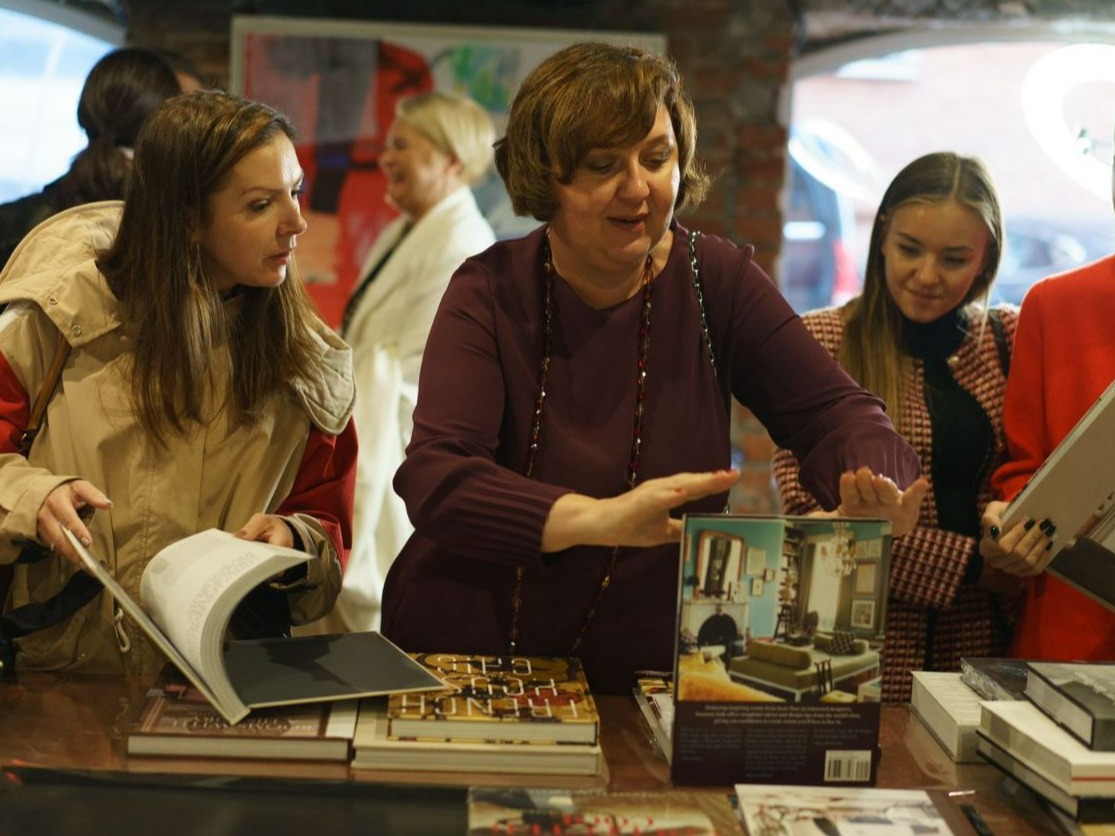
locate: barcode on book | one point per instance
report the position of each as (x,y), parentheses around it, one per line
(848,765)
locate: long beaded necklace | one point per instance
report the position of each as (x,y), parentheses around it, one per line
(536,432)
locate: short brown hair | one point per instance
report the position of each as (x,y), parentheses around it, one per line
(591,95)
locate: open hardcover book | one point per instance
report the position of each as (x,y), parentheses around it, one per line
(189,591)
(1075,488)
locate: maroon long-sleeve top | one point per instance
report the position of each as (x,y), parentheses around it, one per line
(477,517)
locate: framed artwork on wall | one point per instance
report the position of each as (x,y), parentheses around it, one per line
(863,613)
(340,80)
(866,574)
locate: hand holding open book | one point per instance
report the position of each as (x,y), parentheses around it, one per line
(189,591)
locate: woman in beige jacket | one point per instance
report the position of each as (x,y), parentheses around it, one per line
(200,389)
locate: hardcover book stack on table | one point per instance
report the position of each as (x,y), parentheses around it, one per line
(1060,742)
(500,714)
(949,703)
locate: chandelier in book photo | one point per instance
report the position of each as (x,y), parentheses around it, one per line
(838,556)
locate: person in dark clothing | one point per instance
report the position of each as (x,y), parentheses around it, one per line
(575,394)
(119,93)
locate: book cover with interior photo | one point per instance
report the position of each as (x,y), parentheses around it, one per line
(541,699)
(518,810)
(768,809)
(780,636)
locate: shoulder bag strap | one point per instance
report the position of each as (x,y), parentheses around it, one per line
(38,410)
(1000,333)
(80,589)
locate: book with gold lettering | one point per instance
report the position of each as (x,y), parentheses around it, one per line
(464,761)
(498,698)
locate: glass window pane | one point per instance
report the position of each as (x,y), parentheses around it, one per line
(42,69)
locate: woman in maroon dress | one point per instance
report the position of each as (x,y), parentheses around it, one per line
(576,390)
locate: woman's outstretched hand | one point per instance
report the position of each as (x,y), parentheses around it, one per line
(866,494)
(639,517)
(1024,550)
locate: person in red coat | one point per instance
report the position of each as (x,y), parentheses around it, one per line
(1064,358)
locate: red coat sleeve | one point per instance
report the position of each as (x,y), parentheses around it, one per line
(15,408)
(325,485)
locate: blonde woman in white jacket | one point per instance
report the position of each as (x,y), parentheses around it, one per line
(437,147)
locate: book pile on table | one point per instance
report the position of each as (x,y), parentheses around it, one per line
(513,714)
(1048,725)
(1060,742)
(948,703)
(177,720)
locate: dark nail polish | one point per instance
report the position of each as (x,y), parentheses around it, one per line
(1049,546)
(1029,524)
(1047,526)
(994,532)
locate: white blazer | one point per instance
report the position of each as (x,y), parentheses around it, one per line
(388,333)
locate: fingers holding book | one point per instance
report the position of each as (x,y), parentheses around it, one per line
(70,505)
(1024,549)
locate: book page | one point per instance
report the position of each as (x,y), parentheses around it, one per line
(136,613)
(191,588)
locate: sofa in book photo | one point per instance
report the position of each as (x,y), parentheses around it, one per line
(832,665)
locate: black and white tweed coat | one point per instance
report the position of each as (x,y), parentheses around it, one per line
(933,617)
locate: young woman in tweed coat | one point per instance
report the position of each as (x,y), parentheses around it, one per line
(921,337)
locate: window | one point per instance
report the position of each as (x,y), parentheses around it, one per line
(43,63)
(1037,112)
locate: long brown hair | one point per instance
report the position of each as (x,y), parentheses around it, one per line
(184,154)
(873,349)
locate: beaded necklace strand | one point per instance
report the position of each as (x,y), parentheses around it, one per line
(536,432)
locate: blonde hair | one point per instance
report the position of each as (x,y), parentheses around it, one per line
(456,125)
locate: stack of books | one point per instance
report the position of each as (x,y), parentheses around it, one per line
(948,704)
(1060,742)
(177,729)
(513,714)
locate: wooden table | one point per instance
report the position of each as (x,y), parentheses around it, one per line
(65,771)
